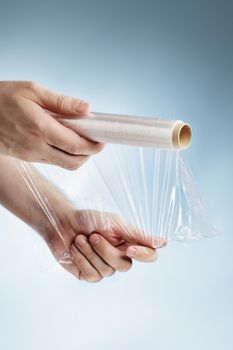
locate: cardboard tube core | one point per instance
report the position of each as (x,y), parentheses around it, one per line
(185,136)
(182,136)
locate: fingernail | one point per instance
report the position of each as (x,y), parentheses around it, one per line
(82,105)
(81,240)
(94,239)
(131,252)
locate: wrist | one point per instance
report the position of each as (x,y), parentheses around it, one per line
(53,217)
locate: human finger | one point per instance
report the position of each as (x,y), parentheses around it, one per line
(87,271)
(135,235)
(140,253)
(63,138)
(64,160)
(60,103)
(113,256)
(86,249)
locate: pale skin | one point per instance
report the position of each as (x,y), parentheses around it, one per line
(29,129)
(99,243)
(89,244)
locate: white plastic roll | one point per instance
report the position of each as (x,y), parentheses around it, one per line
(131,130)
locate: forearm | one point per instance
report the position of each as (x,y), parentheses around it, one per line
(16,196)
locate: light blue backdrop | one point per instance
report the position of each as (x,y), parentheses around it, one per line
(156,58)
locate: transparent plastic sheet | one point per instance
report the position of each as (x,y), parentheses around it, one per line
(144,192)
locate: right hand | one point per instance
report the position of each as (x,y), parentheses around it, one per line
(93,245)
(29,130)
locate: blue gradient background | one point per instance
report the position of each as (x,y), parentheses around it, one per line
(172,59)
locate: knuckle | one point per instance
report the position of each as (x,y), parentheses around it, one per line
(88,252)
(81,147)
(78,259)
(61,102)
(42,127)
(31,85)
(91,256)
(73,148)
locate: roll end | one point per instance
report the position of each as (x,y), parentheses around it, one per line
(182,136)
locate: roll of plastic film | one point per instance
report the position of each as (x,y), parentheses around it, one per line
(131,130)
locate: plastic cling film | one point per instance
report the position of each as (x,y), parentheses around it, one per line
(145,194)
(134,131)
(151,189)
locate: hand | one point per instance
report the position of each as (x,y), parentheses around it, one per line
(95,244)
(89,244)
(30,131)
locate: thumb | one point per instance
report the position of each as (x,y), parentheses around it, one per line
(63,105)
(144,254)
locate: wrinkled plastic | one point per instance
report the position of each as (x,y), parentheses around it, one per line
(142,192)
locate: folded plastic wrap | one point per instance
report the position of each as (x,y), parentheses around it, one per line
(147,192)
